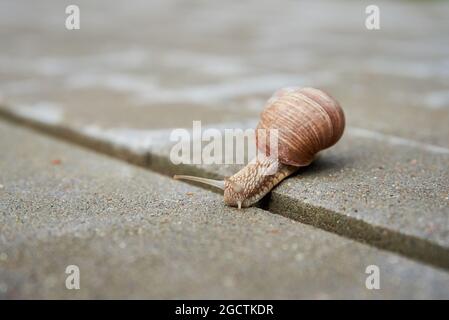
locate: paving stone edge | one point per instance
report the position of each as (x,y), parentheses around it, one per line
(337,222)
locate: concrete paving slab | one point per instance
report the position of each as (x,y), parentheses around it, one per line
(392,196)
(122,92)
(385,190)
(135,234)
(220,62)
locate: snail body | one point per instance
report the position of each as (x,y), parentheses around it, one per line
(306,120)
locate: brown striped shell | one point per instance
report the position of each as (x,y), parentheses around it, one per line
(309,120)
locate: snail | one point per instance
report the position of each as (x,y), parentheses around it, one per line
(307,120)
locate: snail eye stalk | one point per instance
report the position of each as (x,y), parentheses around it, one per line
(215,183)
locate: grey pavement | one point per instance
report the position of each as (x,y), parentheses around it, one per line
(137,234)
(132,74)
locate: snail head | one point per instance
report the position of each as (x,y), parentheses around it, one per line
(234,192)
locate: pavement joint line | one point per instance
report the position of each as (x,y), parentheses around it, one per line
(410,246)
(407,245)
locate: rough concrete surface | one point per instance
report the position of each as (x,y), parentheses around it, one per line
(163,64)
(122,92)
(387,192)
(137,234)
(132,74)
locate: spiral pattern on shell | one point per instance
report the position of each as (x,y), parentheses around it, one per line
(308,120)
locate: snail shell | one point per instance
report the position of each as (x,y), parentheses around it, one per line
(307,121)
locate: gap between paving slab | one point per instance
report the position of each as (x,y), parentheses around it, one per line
(418,248)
